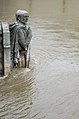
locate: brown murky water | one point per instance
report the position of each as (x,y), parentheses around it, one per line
(50,90)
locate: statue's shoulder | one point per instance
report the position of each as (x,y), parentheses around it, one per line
(13,26)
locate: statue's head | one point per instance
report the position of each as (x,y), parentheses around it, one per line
(22,16)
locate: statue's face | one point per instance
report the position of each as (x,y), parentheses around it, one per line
(23,18)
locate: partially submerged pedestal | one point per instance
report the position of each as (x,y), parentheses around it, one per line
(4,49)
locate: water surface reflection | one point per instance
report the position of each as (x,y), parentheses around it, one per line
(50,90)
(16,94)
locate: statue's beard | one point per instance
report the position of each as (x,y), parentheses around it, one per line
(24,22)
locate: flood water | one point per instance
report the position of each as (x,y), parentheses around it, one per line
(50,90)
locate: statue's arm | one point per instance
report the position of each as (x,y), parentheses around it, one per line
(29,35)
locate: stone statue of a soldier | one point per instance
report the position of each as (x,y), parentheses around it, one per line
(21,35)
